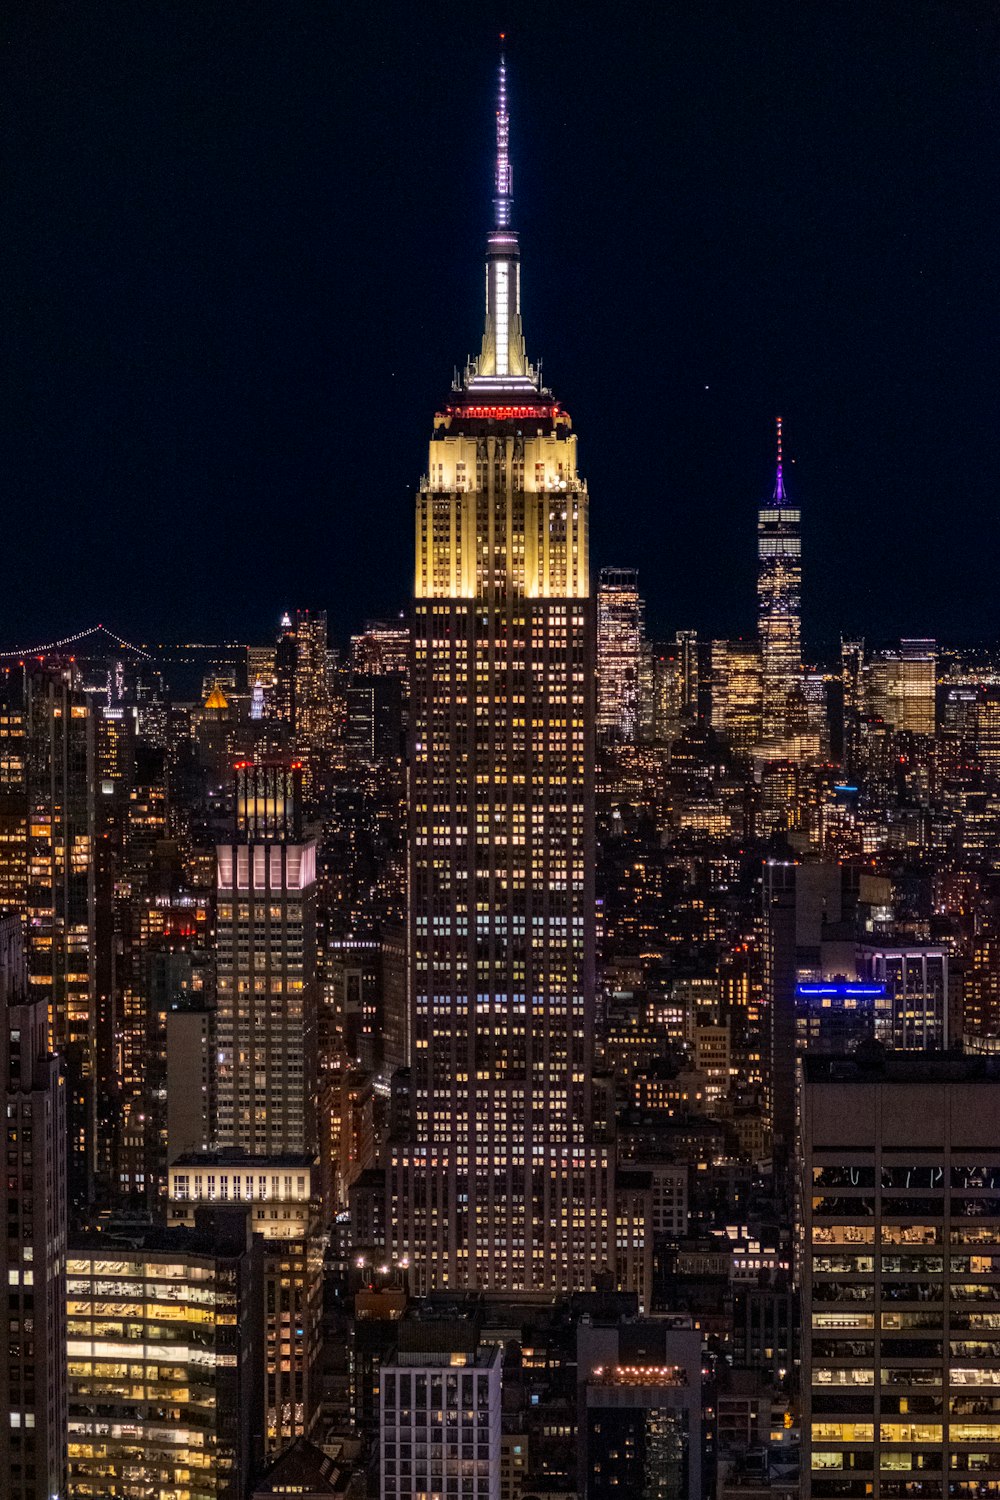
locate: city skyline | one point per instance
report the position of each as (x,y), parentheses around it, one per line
(537,1045)
(206,323)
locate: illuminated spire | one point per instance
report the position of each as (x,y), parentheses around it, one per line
(503,362)
(779,482)
(504,179)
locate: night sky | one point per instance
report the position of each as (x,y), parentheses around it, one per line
(242,253)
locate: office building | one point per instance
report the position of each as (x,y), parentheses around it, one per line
(499,1183)
(281,1192)
(798,900)
(314,706)
(912,1013)
(266,965)
(170,968)
(833,1016)
(13,792)
(33,1264)
(61,894)
(374,728)
(639,1409)
(736,694)
(620,646)
(779,591)
(902,686)
(900,1236)
(382,650)
(165,1340)
(439,1426)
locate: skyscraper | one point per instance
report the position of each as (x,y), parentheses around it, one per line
(902,686)
(620,635)
(736,694)
(33,1254)
(61,892)
(13,792)
(498,1183)
(266,936)
(779,589)
(166,1345)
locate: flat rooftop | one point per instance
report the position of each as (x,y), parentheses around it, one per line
(874,1064)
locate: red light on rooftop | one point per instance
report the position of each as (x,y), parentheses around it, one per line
(500,413)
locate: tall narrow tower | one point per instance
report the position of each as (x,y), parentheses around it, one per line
(779,591)
(266,960)
(620,650)
(499,1183)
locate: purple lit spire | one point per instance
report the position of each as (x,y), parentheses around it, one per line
(504,179)
(778,498)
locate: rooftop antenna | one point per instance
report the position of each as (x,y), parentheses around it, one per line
(779,482)
(504,177)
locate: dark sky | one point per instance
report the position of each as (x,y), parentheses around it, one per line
(242,252)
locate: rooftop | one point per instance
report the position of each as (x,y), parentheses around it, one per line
(872,1063)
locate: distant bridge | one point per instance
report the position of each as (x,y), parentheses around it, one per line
(71,640)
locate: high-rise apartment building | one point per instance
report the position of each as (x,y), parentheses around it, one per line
(620,642)
(779,590)
(689,659)
(900,1260)
(498,1182)
(852,685)
(981,988)
(33,1248)
(266,970)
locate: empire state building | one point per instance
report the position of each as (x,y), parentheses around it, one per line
(500,1182)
